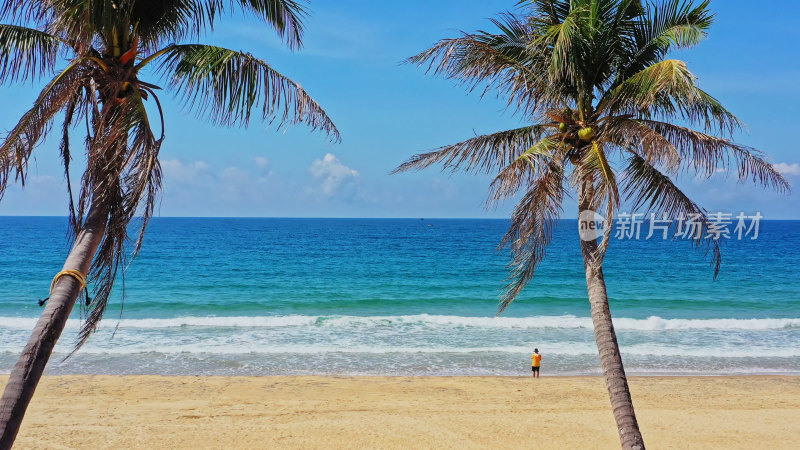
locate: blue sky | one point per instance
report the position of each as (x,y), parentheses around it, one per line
(387,112)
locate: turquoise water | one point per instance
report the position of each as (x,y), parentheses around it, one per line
(386,296)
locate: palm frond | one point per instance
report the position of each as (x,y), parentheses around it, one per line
(27,53)
(671,24)
(523,170)
(285,16)
(666,89)
(646,187)
(499,61)
(162,21)
(630,133)
(595,167)
(157,22)
(19,143)
(24,10)
(643,90)
(228,86)
(531,229)
(124,179)
(565,39)
(681,22)
(707,154)
(547,11)
(481,154)
(66,156)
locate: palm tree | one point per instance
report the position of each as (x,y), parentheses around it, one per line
(105,46)
(611,119)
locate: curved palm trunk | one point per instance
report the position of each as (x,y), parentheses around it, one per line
(610,358)
(614,372)
(28,370)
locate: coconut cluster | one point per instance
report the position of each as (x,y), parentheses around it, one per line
(585,134)
(565,121)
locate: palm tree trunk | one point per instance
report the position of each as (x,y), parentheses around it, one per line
(614,372)
(610,358)
(28,370)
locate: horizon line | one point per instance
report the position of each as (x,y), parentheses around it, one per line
(339,218)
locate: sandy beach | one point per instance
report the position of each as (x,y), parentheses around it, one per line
(394,412)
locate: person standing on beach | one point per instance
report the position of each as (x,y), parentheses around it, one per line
(536,361)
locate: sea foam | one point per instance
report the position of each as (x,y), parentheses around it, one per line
(653,323)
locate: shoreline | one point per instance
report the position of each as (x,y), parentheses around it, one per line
(152,411)
(4,375)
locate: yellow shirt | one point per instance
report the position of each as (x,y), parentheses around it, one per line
(536,359)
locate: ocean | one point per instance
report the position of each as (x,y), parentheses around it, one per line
(220,296)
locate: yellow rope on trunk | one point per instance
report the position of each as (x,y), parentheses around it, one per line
(69,273)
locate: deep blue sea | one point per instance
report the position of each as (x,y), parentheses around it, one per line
(406,297)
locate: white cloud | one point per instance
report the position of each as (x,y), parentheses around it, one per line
(233,173)
(788,169)
(332,173)
(195,188)
(188,173)
(45,181)
(261,162)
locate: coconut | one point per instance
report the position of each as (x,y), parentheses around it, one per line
(562,127)
(586,134)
